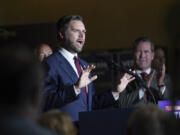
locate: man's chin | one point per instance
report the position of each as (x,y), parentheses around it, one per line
(76,50)
(142,67)
(79,50)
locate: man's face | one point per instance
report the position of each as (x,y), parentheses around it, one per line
(74,38)
(143,55)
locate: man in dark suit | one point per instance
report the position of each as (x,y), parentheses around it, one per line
(21,91)
(68,81)
(149,86)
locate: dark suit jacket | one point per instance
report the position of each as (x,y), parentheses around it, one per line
(130,96)
(59,90)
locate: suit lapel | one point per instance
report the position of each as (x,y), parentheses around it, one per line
(65,65)
(82,63)
(68,69)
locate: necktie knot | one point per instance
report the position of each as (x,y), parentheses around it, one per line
(144,75)
(75,58)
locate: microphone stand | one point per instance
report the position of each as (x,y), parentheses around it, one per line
(121,68)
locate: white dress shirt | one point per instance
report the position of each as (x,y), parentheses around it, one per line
(70,58)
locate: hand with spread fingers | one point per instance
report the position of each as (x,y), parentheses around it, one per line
(127,78)
(84,79)
(161,75)
(159,65)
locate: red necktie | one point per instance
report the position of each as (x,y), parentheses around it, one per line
(144,76)
(78,67)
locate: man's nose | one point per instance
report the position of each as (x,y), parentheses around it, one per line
(81,34)
(142,54)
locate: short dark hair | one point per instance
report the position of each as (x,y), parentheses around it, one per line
(142,39)
(22,76)
(64,21)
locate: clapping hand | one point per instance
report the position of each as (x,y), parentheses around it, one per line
(126,78)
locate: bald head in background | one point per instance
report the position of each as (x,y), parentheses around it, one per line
(43,51)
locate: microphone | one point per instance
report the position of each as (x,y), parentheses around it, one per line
(122,69)
(113,64)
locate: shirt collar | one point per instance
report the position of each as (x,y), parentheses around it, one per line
(148,71)
(68,55)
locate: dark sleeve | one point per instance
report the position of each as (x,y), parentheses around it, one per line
(167,93)
(56,94)
(128,97)
(104,101)
(169,87)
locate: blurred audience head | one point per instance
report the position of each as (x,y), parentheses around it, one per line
(43,51)
(151,120)
(21,82)
(58,122)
